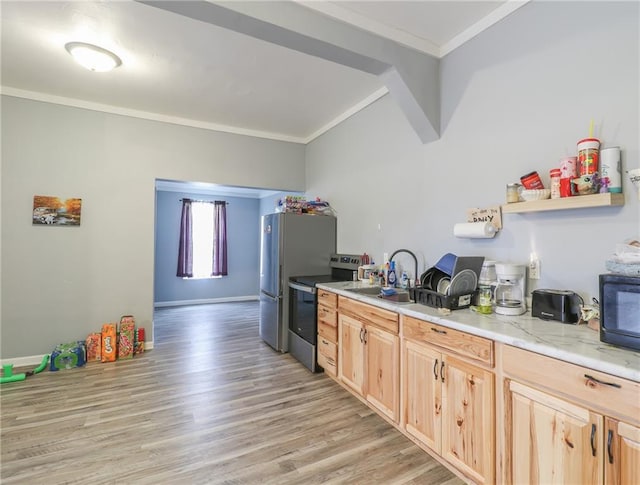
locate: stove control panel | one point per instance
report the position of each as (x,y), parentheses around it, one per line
(346,261)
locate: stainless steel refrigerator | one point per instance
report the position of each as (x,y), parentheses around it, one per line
(291,245)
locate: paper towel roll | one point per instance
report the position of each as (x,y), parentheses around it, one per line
(474,230)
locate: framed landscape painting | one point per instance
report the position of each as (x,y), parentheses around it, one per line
(55,211)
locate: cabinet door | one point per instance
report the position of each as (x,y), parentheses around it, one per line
(422,396)
(351,353)
(553,441)
(383,371)
(468,424)
(622,455)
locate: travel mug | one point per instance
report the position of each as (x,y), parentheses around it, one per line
(611,168)
(588,154)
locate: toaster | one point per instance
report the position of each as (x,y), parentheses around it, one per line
(560,305)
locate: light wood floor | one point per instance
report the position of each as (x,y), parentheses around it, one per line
(210,404)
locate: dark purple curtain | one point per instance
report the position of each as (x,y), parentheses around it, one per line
(185,251)
(219,239)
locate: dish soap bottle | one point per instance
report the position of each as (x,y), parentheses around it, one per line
(391,277)
(404,280)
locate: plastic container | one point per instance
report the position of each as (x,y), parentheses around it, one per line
(488,273)
(446,263)
(531,181)
(588,156)
(513,193)
(554,174)
(611,168)
(404,280)
(569,167)
(485,297)
(391,275)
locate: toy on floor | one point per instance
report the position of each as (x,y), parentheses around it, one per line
(9,376)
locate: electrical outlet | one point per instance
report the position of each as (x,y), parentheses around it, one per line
(534,269)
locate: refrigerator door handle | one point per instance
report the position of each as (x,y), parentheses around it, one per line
(307,289)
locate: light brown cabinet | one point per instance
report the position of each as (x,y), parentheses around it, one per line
(568,424)
(369,354)
(327,318)
(553,441)
(449,402)
(351,353)
(422,393)
(622,454)
(544,420)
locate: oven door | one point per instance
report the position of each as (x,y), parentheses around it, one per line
(302,311)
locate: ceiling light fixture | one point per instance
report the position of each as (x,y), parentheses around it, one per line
(93,57)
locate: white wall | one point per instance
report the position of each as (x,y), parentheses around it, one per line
(514,99)
(60,283)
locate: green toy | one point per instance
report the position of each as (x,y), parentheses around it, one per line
(9,376)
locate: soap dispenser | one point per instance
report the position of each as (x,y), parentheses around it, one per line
(391,277)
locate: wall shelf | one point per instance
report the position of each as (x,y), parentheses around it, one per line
(577,202)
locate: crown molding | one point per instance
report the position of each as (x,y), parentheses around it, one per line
(333,10)
(372,98)
(146,115)
(493,18)
(105,108)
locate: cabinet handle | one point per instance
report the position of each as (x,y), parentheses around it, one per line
(609,445)
(611,384)
(361,337)
(435,370)
(365,335)
(443,332)
(442,371)
(593,439)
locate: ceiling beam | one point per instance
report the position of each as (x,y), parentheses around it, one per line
(412,77)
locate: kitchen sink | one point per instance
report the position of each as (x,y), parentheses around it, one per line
(366,290)
(401,296)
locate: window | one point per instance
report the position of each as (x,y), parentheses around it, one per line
(202,213)
(202,250)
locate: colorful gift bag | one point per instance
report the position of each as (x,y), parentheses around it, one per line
(109,343)
(94,346)
(139,348)
(126,336)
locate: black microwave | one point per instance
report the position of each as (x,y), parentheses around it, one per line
(620,310)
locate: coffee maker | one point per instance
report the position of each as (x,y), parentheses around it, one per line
(510,291)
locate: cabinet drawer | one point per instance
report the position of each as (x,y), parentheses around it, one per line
(327,299)
(461,343)
(328,348)
(370,314)
(327,316)
(601,392)
(328,364)
(328,331)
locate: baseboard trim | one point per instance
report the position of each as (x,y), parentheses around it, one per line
(159,304)
(34,360)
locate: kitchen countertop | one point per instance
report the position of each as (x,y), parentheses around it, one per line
(576,344)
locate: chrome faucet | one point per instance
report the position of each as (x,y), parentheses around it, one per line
(415,259)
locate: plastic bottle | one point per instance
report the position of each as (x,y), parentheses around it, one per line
(391,276)
(404,280)
(554,174)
